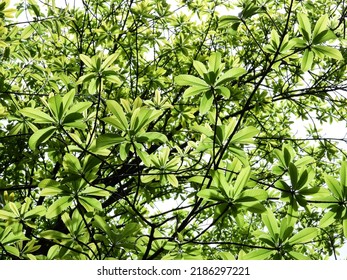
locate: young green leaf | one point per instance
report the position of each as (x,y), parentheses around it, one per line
(258,254)
(215,62)
(303,236)
(54,234)
(241,180)
(324,36)
(334,186)
(271,223)
(293,173)
(206,102)
(37,115)
(27,31)
(194,90)
(245,135)
(321,25)
(210,194)
(298,256)
(329,52)
(344,226)
(189,80)
(252,195)
(71,164)
(90,204)
(304,26)
(328,219)
(86,60)
(108,139)
(58,206)
(230,75)
(200,68)
(118,112)
(307,60)
(41,136)
(109,60)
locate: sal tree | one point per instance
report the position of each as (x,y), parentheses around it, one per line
(166,130)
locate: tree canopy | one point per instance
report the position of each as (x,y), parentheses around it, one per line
(164,129)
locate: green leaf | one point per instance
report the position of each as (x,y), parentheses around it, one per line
(172,180)
(206,102)
(334,186)
(271,223)
(114,79)
(344,225)
(71,164)
(307,60)
(189,80)
(41,136)
(58,206)
(27,31)
(53,234)
(303,236)
(299,43)
(5,215)
(259,254)
(108,139)
(215,62)
(90,204)
(303,180)
(252,195)
(329,52)
(56,106)
(286,156)
(293,173)
(210,194)
(275,39)
(37,115)
(304,26)
(109,60)
(86,60)
(151,137)
(226,20)
(93,191)
(230,75)
(224,91)
(321,25)
(200,68)
(118,112)
(298,256)
(12,250)
(324,36)
(220,182)
(286,229)
(86,78)
(242,180)
(73,117)
(101,223)
(67,100)
(14,209)
(79,107)
(194,90)
(254,207)
(328,219)
(343,175)
(304,161)
(37,211)
(245,135)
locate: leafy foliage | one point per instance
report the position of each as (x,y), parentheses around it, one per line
(163,130)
